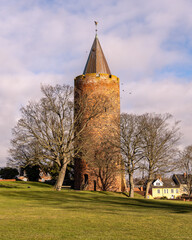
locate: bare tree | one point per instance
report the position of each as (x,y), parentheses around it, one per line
(46,131)
(24,153)
(159,138)
(104,163)
(131,147)
(185,164)
(148,142)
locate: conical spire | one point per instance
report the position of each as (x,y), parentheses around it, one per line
(96,62)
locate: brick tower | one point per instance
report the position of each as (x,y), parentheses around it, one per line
(98,80)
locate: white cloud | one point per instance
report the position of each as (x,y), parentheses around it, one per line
(165,96)
(48,42)
(15,91)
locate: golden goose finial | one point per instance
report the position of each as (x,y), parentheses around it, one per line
(96,27)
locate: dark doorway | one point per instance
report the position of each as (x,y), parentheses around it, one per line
(95,185)
(85,178)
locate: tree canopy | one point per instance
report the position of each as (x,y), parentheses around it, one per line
(48,129)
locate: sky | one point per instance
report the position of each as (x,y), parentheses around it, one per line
(147,44)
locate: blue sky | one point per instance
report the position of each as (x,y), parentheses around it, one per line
(148,44)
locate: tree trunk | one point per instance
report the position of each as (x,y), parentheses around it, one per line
(60,178)
(147,188)
(131,185)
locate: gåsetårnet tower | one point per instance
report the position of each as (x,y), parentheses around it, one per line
(98,80)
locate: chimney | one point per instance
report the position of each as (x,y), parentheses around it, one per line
(158,176)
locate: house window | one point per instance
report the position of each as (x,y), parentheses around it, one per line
(184,189)
(158,190)
(172,190)
(177,191)
(167,190)
(164,190)
(157,184)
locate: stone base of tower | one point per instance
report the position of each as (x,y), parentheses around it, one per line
(86,179)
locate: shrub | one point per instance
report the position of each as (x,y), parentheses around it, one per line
(32,172)
(8,173)
(164,198)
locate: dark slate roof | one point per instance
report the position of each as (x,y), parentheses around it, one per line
(167,183)
(96,62)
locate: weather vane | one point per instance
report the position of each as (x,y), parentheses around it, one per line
(96,27)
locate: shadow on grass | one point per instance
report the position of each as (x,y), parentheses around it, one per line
(102,201)
(22,185)
(8,186)
(37,184)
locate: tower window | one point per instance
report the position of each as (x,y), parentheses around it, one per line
(85,178)
(95,185)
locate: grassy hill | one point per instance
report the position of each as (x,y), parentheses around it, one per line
(35,211)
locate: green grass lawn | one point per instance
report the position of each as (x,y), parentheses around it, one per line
(35,211)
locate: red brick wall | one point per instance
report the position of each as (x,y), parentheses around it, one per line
(107,85)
